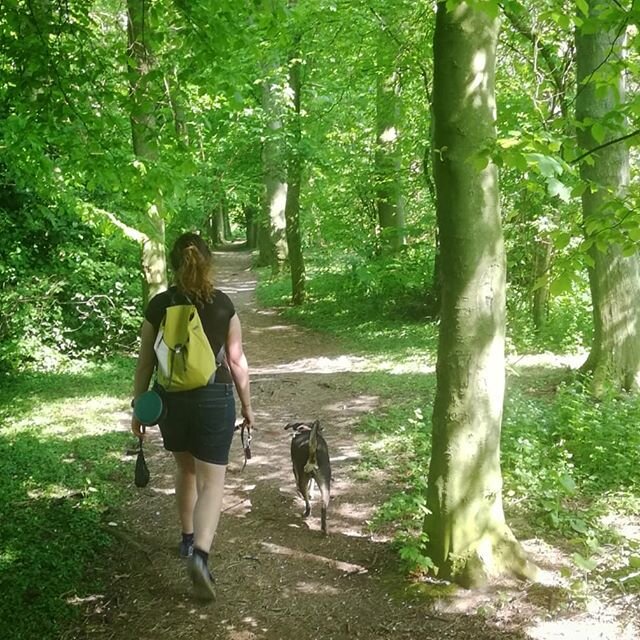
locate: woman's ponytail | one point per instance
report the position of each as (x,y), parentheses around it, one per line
(192,263)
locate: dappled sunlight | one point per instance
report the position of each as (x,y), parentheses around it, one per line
(595,624)
(357,512)
(624,525)
(351,364)
(545,360)
(166,491)
(361,404)
(338,565)
(73,418)
(275,327)
(317,588)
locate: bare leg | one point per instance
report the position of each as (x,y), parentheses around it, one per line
(185,489)
(206,515)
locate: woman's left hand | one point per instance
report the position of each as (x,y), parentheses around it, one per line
(137,428)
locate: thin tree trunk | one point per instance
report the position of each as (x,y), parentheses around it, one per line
(542,254)
(388,159)
(468,538)
(275,185)
(144,138)
(614,358)
(251,226)
(216,225)
(294,179)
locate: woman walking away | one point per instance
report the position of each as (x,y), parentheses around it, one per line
(198,424)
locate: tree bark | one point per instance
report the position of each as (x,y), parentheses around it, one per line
(388,158)
(468,538)
(294,179)
(251,226)
(144,139)
(216,225)
(272,241)
(542,256)
(614,359)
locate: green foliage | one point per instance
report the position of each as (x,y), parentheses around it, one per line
(66,285)
(60,472)
(568,323)
(401,443)
(570,457)
(345,291)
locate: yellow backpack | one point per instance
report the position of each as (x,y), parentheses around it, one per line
(185,358)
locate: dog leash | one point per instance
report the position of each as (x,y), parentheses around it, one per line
(245,438)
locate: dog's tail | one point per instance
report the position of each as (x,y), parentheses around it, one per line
(312,462)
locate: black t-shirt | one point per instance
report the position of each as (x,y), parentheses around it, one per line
(214,315)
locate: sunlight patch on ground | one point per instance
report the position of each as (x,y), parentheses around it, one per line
(595,624)
(351,364)
(73,417)
(315,588)
(360,512)
(361,404)
(625,526)
(346,567)
(547,360)
(551,561)
(275,327)
(423,364)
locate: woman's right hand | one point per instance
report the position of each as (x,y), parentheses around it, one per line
(249,419)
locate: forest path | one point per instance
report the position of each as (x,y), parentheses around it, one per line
(277,577)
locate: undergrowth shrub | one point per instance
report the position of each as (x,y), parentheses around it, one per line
(66,286)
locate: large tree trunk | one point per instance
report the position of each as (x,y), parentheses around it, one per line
(388,159)
(294,179)
(469,540)
(615,280)
(144,137)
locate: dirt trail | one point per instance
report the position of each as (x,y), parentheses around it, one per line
(277,576)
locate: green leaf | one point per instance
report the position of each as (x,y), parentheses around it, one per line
(561,239)
(634,233)
(546,165)
(586,564)
(634,562)
(557,188)
(583,7)
(561,284)
(568,483)
(578,525)
(598,132)
(480,161)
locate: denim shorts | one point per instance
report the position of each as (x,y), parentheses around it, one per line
(200,421)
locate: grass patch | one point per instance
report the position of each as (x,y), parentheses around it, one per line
(61,470)
(374,319)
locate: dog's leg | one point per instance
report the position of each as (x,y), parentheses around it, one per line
(324,498)
(312,462)
(303,487)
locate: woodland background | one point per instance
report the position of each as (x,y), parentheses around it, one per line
(303,132)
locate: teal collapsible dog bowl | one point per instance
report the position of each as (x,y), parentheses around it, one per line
(148,408)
